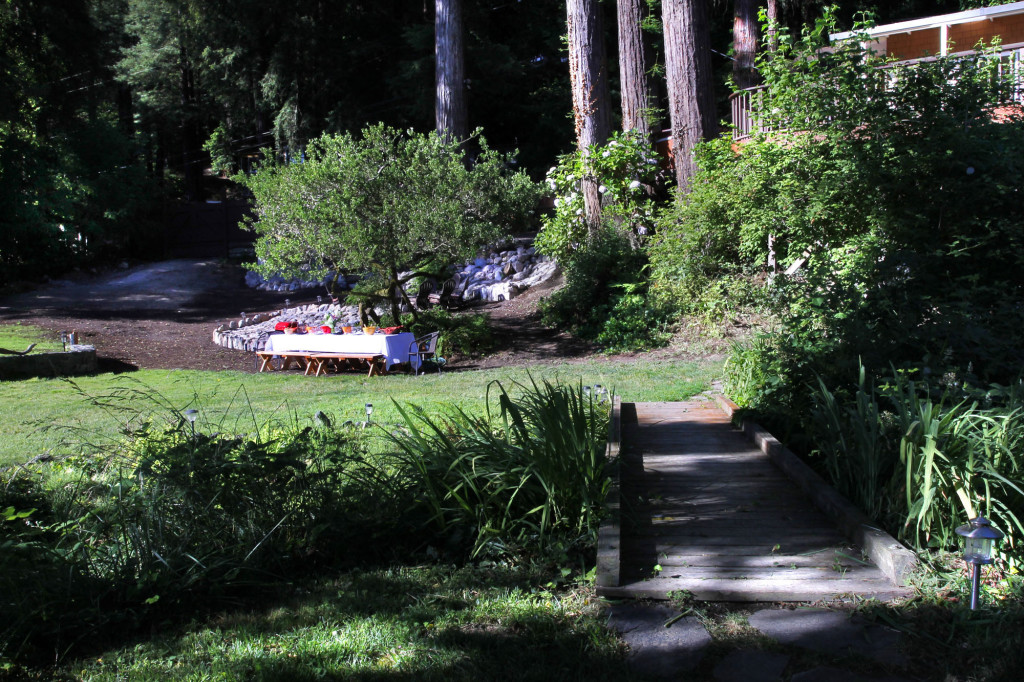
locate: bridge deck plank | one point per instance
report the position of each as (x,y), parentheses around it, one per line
(705,511)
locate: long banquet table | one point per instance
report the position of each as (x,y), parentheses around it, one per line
(394,347)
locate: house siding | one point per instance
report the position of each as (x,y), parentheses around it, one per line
(923,43)
(966,36)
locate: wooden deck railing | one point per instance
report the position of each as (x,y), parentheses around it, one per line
(746,104)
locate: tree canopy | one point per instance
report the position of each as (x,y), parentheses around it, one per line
(380,203)
(112,107)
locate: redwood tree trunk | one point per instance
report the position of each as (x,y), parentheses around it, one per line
(636,91)
(773,19)
(744,43)
(587,73)
(450,103)
(691,99)
(191,146)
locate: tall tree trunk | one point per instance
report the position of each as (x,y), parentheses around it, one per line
(589,79)
(191,147)
(773,20)
(691,98)
(637,98)
(450,103)
(744,43)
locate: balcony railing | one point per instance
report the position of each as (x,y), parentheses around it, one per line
(747,103)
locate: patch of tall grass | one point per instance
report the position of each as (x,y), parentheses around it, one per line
(924,461)
(531,469)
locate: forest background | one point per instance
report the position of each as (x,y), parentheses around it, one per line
(113,110)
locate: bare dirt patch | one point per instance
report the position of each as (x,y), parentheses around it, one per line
(162,315)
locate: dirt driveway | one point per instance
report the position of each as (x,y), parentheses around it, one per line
(161,316)
(157,315)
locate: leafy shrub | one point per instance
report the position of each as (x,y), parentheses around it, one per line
(382,202)
(462,334)
(604,298)
(635,322)
(626,169)
(876,188)
(924,462)
(168,515)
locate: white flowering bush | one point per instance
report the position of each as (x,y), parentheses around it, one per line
(626,168)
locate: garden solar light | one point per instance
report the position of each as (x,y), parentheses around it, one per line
(586,391)
(64,340)
(369,410)
(979,539)
(319,300)
(191,415)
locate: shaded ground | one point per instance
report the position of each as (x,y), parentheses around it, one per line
(161,316)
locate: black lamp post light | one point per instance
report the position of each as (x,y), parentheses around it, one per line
(979,540)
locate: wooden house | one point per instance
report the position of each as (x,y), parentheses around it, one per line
(917,40)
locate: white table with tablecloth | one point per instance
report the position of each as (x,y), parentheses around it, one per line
(394,347)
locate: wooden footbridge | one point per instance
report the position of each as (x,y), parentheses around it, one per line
(729,515)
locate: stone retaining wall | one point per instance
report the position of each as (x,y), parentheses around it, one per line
(79,359)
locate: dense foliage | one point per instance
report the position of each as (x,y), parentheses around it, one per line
(626,170)
(528,475)
(922,461)
(380,203)
(895,193)
(68,192)
(605,294)
(113,108)
(878,187)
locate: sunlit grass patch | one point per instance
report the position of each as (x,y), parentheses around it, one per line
(17,336)
(424,622)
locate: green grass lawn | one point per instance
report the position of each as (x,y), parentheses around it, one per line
(18,337)
(39,414)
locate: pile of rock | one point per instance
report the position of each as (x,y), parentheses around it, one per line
(254,280)
(250,333)
(499,276)
(502,276)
